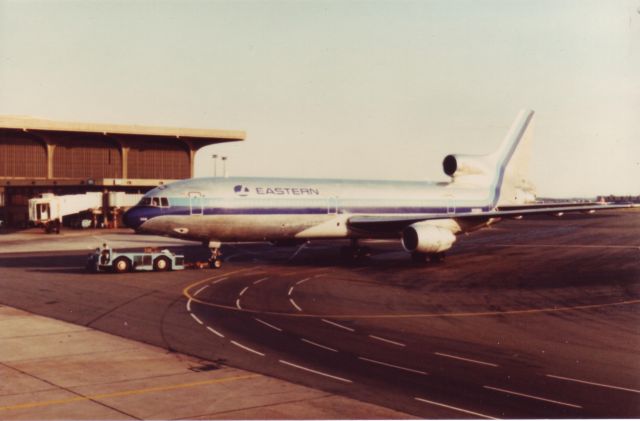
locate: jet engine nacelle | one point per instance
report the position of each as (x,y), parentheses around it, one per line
(457,165)
(427,238)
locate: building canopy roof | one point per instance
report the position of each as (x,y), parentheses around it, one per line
(35,124)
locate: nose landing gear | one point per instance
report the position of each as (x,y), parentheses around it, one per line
(215,262)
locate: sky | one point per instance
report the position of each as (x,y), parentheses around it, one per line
(345,89)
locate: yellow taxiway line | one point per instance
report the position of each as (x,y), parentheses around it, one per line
(125,393)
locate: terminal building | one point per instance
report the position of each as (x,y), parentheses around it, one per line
(41,156)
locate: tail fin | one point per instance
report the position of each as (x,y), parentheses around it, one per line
(511,185)
(504,171)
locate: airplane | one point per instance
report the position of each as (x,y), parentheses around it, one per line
(425,216)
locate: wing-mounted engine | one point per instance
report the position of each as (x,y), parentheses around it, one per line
(424,237)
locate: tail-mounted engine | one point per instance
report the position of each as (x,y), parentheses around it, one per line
(424,237)
(458,165)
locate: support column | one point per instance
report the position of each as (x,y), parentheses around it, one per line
(192,156)
(50,151)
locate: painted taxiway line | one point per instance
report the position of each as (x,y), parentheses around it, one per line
(302,281)
(389,341)
(530,311)
(267,324)
(212,330)
(238,304)
(410,370)
(219,280)
(608,386)
(260,281)
(189,305)
(196,318)
(293,303)
(318,345)
(290,292)
(466,411)
(243,291)
(538,398)
(338,325)
(299,367)
(200,290)
(125,393)
(455,357)
(246,348)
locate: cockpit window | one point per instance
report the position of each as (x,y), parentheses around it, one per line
(155,201)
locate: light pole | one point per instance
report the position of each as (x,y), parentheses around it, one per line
(224,166)
(215,164)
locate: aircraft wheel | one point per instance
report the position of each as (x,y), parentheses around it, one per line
(122,265)
(161,264)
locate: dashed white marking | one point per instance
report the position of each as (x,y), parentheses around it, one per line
(238,304)
(219,280)
(200,290)
(608,386)
(338,325)
(189,305)
(259,281)
(386,340)
(318,345)
(511,392)
(302,281)
(455,357)
(212,330)
(243,291)
(290,291)
(246,348)
(196,318)
(315,372)
(411,370)
(268,324)
(466,411)
(293,303)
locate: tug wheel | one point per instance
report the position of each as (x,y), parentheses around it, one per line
(121,265)
(161,264)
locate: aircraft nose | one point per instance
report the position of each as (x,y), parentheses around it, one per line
(133,218)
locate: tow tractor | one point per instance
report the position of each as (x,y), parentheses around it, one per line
(106,259)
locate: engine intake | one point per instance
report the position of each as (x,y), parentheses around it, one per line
(456,165)
(424,237)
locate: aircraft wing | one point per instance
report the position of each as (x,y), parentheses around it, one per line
(395,224)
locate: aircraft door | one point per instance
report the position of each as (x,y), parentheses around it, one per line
(451,205)
(332,207)
(195,203)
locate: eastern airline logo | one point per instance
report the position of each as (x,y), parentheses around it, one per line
(241,190)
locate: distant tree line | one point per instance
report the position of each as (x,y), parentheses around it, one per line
(620,199)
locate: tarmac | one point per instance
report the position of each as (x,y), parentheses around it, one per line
(56,370)
(530,319)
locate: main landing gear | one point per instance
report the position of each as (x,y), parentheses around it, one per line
(354,252)
(419,257)
(215,262)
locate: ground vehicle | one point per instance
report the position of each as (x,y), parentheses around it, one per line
(105,259)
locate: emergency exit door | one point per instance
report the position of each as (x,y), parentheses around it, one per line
(195,203)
